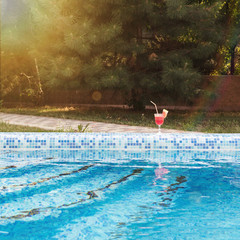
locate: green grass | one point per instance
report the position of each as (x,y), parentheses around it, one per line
(188,121)
(5,127)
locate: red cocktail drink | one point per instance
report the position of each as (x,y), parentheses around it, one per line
(159,119)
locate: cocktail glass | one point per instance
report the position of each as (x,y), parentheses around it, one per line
(159,120)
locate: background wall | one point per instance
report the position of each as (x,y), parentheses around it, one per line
(222,93)
(226,93)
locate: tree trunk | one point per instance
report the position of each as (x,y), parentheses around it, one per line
(39,84)
(232,67)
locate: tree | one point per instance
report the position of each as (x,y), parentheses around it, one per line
(231,21)
(19,76)
(186,40)
(93,44)
(228,17)
(140,46)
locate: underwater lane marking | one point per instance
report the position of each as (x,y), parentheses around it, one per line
(7,167)
(91,195)
(123,179)
(23,165)
(49,178)
(167,194)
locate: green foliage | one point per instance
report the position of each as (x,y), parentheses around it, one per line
(229,18)
(19,77)
(186,42)
(18,83)
(81,128)
(180,77)
(139,46)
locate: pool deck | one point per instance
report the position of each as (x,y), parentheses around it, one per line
(50,123)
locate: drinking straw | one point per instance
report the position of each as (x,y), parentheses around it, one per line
(155,106)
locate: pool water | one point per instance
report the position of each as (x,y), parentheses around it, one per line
(49,196)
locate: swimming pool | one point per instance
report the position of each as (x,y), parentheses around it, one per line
(119,186)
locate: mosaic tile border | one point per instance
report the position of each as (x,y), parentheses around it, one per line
(119,141)
(112,156)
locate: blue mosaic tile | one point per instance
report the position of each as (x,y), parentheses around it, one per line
(179,156)
(119,141)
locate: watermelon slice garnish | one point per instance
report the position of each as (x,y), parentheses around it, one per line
(165,113)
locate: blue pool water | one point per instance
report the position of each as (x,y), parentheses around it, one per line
(116,194)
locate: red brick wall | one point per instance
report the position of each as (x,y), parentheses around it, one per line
(224,93)
(85,97)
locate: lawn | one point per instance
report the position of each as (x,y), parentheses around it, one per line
(188,121)
(5,127)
